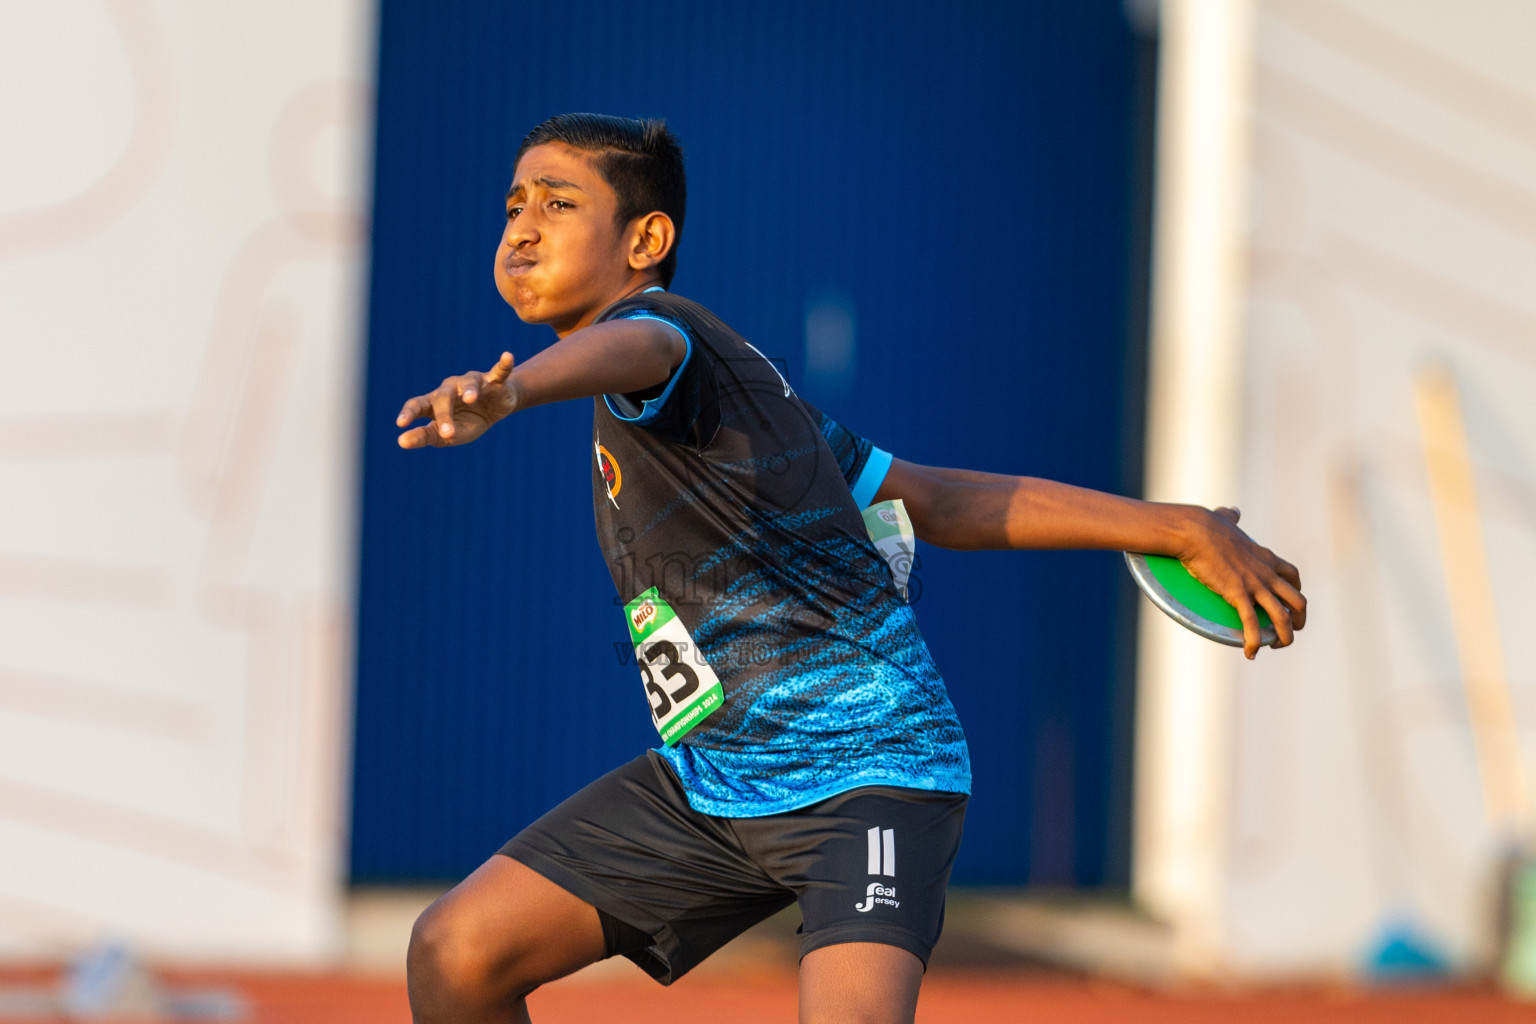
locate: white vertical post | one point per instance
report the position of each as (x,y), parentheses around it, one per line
(1184,707)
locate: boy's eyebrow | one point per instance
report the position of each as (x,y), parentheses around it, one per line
(556,183)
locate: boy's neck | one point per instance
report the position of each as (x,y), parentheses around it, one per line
(642,282)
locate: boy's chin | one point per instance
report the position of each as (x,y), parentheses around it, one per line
(527,310)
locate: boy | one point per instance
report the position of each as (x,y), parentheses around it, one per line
(811,753)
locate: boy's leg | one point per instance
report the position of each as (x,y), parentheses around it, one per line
(623,867)
(870,868)
(499,934)
(859,983)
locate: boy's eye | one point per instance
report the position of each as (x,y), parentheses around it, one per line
(513,211)
(561,204)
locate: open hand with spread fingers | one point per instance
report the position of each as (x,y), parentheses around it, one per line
(1247,575)
(461,409)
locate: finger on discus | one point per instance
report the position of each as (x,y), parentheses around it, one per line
(1279,617)
(1294,599)
(1250,628)
(1288,572)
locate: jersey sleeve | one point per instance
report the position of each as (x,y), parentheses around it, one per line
(670,408)
(863,465)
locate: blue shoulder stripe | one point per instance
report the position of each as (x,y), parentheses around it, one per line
(871,477)
(652,407)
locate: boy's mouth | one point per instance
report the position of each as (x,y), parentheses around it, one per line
(516,263)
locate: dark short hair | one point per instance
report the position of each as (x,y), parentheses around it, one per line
(640,161)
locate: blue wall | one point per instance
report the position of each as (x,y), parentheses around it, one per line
(962,175)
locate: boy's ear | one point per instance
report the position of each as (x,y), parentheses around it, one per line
(651,238)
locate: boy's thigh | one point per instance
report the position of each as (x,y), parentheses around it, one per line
(670,885)
(859,981)
(869,865)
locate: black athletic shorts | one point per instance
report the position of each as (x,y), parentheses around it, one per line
(672,885)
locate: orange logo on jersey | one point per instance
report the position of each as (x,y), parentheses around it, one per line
(613,477)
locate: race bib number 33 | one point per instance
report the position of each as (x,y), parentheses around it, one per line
(681,688)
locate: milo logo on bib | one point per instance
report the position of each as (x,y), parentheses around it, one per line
(680,687)
(641,616)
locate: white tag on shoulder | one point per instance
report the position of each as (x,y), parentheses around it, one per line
(891,530)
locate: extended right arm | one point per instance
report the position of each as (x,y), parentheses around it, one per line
(615,357)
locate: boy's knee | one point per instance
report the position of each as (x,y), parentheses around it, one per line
(449,958)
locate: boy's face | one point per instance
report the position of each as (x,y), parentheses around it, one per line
(562,257)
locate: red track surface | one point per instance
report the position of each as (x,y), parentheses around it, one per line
(954,998)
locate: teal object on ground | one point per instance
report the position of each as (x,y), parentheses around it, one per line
(1191,603)
(1403,955)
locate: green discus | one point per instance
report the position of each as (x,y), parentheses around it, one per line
(1191,603)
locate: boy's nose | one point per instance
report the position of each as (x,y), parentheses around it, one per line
(523,229)
(512,238)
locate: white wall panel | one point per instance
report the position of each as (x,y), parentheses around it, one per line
(182,238)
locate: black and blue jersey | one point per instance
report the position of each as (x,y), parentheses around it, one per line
(741,504)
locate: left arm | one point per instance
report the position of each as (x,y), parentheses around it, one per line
(967,510)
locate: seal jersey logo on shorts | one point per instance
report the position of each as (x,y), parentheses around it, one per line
(613,477)
(882,861)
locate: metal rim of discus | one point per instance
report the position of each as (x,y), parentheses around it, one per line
(1176,610)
